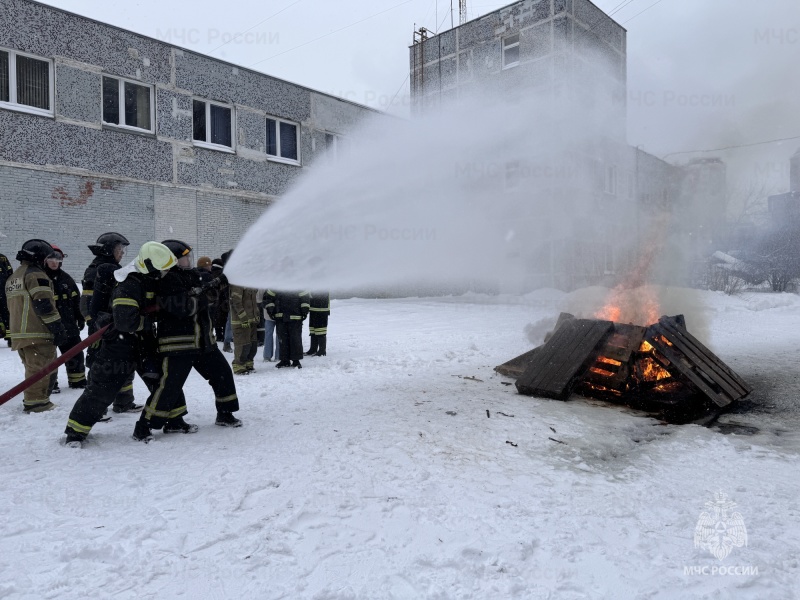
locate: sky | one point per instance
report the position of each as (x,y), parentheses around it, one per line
(702,74)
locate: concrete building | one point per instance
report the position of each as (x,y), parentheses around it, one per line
(573,55)
(104,129)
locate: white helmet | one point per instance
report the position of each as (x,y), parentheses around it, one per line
(153,258)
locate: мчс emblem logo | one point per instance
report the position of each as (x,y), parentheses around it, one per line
(719,531)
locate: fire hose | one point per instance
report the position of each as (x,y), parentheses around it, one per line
(38,376)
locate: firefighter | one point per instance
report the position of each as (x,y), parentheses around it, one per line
(318,323)
(288,310)
(68,305)
(35,327)
(124,344)
(186,341)
(98,283)
(5,272)
(244,313)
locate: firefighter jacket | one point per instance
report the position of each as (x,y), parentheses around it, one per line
(132,302)
(243,305)
(184,319)
(32,309)
(5,272)
(320,302)
(87,283)
(287,306)
(68,301)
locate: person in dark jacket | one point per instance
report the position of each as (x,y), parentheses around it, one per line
(98,285)
(288,310)
(123,349)
(186,341)
(318,323)
(68,304)
(5,272)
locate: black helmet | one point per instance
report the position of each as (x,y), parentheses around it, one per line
(178,247)
(182,251)
(35,251)
(105,244)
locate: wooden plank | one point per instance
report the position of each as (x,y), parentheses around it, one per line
(563,358)
(516,366)
(682,364)
(696,352)
(720,366)
(578,359)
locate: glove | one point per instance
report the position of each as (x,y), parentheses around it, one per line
(60,337)
(103,319)
(81,323)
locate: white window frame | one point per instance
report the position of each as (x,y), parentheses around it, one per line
(507,47)
(207,144)
(12,84)
(340,147)
(278,157)
(121,108)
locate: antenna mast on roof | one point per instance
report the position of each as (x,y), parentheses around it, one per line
(462,12)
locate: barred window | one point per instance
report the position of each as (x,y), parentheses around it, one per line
(127,103)
(26,82)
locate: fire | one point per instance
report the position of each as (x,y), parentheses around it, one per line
(604,360)
(652,371)
(631,305)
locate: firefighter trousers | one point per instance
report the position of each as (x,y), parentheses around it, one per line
(35,358)
(106,377)
(290,338)
(245,347)
(76,370)
(167,400)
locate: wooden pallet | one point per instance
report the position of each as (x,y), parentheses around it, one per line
(696,362)
(564,358)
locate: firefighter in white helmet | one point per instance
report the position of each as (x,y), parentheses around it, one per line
(128,341)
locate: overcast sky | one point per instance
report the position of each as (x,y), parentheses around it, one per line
(702,74)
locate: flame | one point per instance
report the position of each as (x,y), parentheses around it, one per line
(645,347)
(639,306)
(652,371)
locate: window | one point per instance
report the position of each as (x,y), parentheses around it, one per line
(336,146)
(212,124)
(282,139)
(127,104)
(26,83)
(611,180)
(511,51)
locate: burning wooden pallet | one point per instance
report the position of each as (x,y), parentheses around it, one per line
(661,368)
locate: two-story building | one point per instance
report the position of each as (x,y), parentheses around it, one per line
(105,129)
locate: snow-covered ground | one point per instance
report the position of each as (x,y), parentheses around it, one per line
(377,472)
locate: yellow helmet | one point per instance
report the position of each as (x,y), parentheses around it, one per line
(154,258)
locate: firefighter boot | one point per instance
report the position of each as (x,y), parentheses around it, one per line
(323,342)
(313,350)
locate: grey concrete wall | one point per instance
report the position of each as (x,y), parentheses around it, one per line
(72,210)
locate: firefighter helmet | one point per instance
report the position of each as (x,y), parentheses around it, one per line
(154,258)
(35,251)
(105,244)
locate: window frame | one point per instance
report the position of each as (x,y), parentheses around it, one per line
(12,103)
(505,46)
(121,104)
(207,143)
(278,157)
